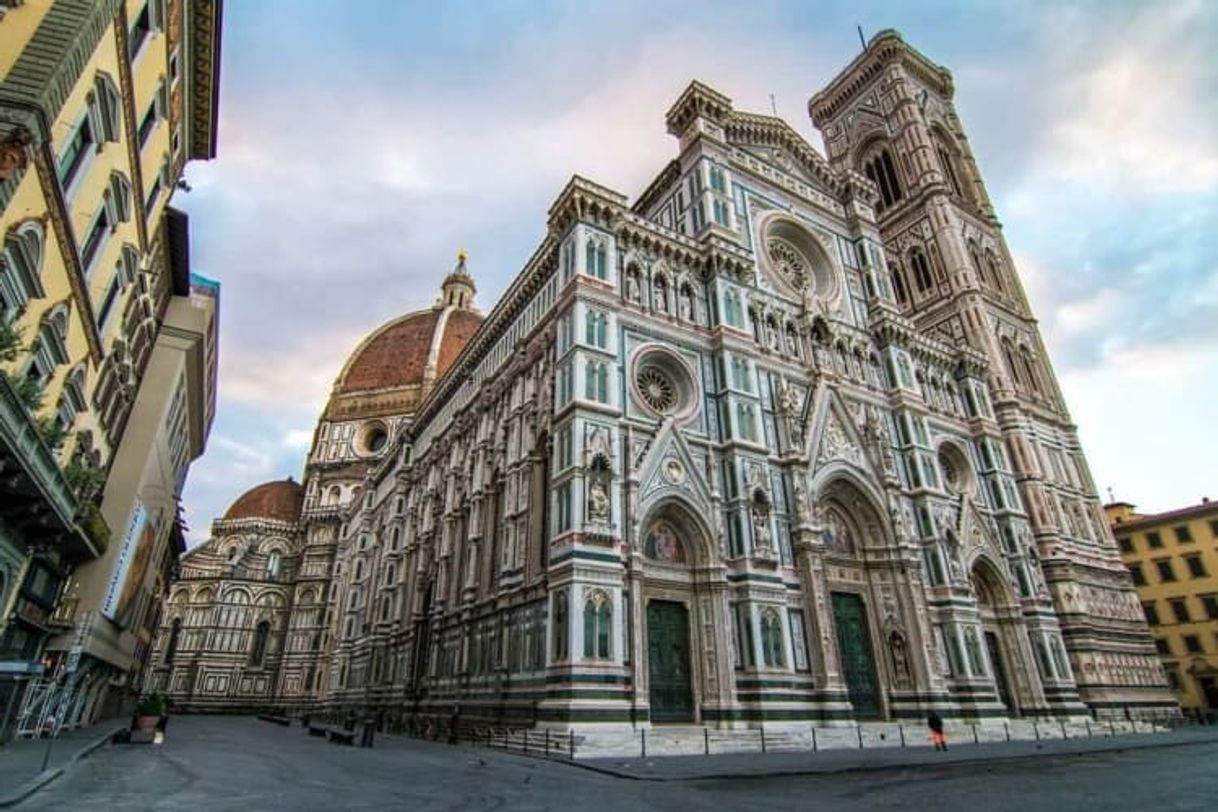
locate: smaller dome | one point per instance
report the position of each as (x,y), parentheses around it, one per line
(279,500)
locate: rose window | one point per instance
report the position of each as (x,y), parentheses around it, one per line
(788,262)
(656,388)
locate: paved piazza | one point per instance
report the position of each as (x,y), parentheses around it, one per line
(240,763)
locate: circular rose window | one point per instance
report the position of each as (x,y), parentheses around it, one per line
(790,264)
(656,388)
(796,259)
(663,383)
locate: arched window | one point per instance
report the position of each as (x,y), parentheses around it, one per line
(560,625)
(1029,369)
(900,287)
(171,648)
(880,170)
(921,269)
(1016,373)
(995,270)
(272,564)
(391,573)
(258,652)
(948,163)
(385,603)
(596,329)
(732,312)
(771,639)
(21,269)
(596,382)
(598,626)
(595,259)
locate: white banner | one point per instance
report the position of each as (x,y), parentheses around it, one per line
(125,553)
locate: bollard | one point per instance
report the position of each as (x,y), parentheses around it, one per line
(643,741)
(859,729)
(975,740)
(902,729)
(1063,724)
(1036,729)
(763,738)
(547,742)
(1006,726)
(706,741)
(814,738)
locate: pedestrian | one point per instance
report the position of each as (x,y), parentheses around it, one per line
(935,722)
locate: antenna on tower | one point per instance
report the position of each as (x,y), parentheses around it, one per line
(862,39)
(1111,498)
(773,106)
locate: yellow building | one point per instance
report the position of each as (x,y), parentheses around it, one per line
(1173,559)
(102,104)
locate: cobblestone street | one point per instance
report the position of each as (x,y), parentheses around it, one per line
(240,764)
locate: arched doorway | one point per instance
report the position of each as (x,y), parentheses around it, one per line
(865,614)
(992,600)
(680,617)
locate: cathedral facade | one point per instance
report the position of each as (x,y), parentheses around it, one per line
(776,441)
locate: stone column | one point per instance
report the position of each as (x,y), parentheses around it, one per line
(809,556)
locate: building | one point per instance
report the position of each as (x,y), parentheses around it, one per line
(1173,559)
(778,441)
(102,104)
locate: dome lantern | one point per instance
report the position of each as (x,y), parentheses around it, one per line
(458,288)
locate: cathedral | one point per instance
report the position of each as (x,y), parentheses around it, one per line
(776,441)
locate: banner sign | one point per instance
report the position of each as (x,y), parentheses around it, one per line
(126,552)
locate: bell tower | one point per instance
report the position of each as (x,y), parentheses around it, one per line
(890,117)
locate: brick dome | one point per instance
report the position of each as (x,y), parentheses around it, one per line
(398,364)
(279,500)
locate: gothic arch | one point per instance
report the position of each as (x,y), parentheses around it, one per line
(696,535)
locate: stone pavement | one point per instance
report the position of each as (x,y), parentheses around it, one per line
(242,764)
(762,765)
(21,770)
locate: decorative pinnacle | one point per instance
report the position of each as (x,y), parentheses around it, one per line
(462,255)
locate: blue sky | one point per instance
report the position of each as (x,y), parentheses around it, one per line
(358,152)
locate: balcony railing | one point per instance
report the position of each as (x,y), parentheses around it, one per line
(34,490)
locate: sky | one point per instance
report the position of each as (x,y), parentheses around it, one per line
(358,152)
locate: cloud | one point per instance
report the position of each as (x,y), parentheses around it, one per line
(1139,115)
(346,182)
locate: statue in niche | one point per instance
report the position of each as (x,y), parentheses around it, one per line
(686,303)
(661,294)
(760,512)
(771,335)
(632,285)
(900,658)
(800,496)
(790,404)
(598,501)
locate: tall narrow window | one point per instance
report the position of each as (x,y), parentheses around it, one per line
(771,639)
(559,646)
(598,622)
(258,652)
(171,649)
(272,564)
(921,269)
(899,287)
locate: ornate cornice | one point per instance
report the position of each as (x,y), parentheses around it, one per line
(886,48)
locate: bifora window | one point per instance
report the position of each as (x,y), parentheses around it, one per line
(598,622)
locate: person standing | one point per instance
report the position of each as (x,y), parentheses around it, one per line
(935,722)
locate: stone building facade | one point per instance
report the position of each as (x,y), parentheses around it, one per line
(777,441)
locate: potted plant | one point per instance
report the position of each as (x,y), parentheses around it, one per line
(149,712)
